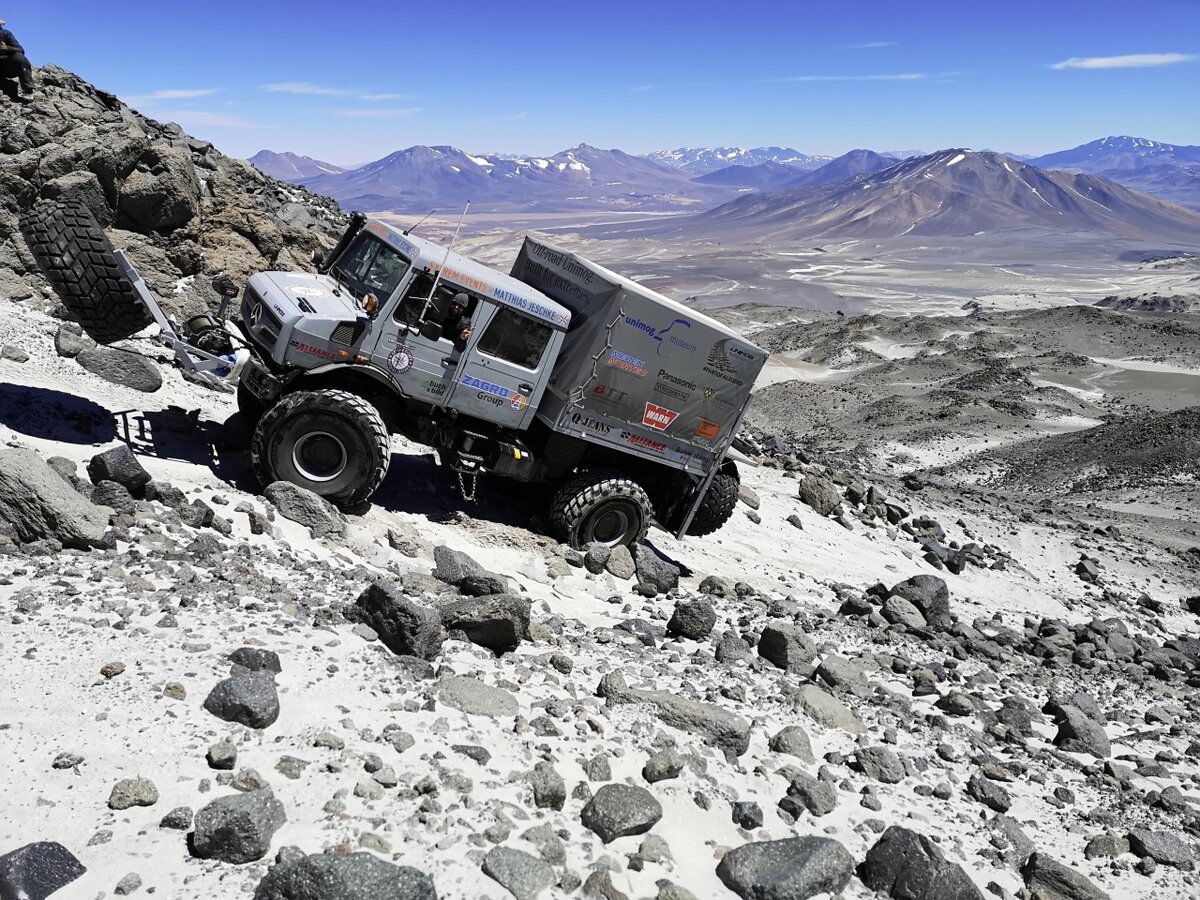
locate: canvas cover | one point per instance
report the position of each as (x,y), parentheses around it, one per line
(639,371)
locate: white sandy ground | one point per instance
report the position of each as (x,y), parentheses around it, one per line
(54,700)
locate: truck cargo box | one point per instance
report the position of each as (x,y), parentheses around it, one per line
(639,371)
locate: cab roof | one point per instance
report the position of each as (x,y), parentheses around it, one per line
(473,276)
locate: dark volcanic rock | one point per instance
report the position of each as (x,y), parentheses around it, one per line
(725,730)
(39,503)
(652,569)
(457,568)
(303,506)
(1043,873)
(357,876)
(1080,734)
(929,594)
(1161,846)
(249,699)
(786,645)
(693,619)
(619,810)
(122,367)
(36,871)
(909,865)
(256,659)
(238,828)
(522,874)
(405,628)
(791,869)
(821,494)
(120,465)
(496,621)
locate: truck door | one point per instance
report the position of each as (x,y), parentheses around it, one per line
(505,366)
(420,363)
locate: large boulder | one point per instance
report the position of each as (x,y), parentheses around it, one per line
(460,570)
(37,870)
(120,465)
(929,594)
(791,869)
(821,494)
(692,619)
(496,621)
(405,627)
(473,697)
(522,874)
(653,570)
(620,810)
(163,192)
(785,645)
(1078,733)
(36,503)
(303,506)
(908,865)
(247,698)
(122,367)
(1049,877)
(327,876)
(238,828)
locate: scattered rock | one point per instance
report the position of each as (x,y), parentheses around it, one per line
(1161,846)
(458,569)
(821,494)
(522,874)
(653,570)
(121,367)
(692,619)
(497,621)
(664,764)
(619,810)
(404,627)
(303,506)
(786,645)
(133,792)
(256,659)
(1079,734)
(549,789)
(620,563)
(354,876)
(791,869)
(725,730)
(248,699)
(37,502)
(237,828)
(793,741)
(120,465)
(472,696)
(1043,873)
(909,865)
(930,596)
(828,710)
(128,884)
(37,870)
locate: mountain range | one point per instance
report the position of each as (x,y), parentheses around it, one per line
(704,160)
(291,166)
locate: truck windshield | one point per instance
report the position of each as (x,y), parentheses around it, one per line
(370,267)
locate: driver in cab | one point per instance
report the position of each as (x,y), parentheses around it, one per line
(457,326)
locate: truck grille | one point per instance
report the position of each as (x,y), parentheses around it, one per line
(260,319)
(346,333)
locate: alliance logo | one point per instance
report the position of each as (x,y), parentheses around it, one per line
(661,335)
(659,417)
(644,442)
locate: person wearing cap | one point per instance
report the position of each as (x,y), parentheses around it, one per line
(457,325)
(13,62)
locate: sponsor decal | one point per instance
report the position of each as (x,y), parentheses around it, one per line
(664,375)
(720,364)
(667,391)
(486,387)
(304,290)
(490,398)
(663,336)
(585,421)
(627,363)
(659,417)
(709,393)
(608,395)
(644,442)
(278,309)
(707,430)
(313,351)
(435,387)
(380,230)
(401,359)
(533,307)
(519,402)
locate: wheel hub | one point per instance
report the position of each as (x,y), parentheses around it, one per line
(320,456)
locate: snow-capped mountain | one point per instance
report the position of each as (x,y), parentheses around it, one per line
(290,166)
(1115,153)
(583,177)
(703,160)
(954,192)
(856,162)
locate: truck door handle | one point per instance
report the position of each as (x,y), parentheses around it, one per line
(525,388)
(447,361)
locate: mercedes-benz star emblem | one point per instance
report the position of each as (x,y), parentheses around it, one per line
(255,315)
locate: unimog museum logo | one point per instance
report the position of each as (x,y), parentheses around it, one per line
(663,336)
(659,416)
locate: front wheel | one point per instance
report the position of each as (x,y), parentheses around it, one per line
(601,507)
(331,442)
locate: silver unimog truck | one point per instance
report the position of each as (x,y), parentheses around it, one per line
(621,402)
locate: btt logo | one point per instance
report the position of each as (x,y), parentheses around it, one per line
(659,417)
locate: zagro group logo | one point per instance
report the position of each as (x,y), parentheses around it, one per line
(627,363)
(663,336)
(659,417)
(486,387)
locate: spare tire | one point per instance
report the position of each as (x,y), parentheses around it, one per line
(77,258)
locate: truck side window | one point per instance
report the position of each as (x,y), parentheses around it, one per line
(515,338)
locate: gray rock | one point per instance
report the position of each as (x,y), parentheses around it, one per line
(458,569)
(1043,873)
(620,563)
(70,340)
(133,792)
(988,793)
(238,828)
(549,845)
(718,586)
(731,648)
(842,675)
(692,619)
(356,876)
(595,557)
(905,864)
(114,496)
(929,594)
(828,710)
(521,874)
(37,870)
(748,496)
(13,354)
(599,886)
(39,503)
(128,884)
(222,755)
(120,465)
(808,793)
(404,627)
(256,659)
(248,699)
(1161,846)
(472,696)
(664,764)
(496,621)
(747,814)
(549,789)
(619,810)
(303,506)
(792,740)
(821,494)
(178,819)
(727,731)
(653,570)
(121,367)
(881,764)
(898,611)
(791,869)
(786,645)
(1079,734)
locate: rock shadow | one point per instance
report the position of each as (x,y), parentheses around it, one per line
(180,434)
(55,416)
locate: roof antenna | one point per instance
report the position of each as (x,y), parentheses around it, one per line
(437,279)
(411,229)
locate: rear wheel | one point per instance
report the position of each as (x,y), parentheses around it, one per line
(333,443)
(602,507)
(719,501)
(77,259)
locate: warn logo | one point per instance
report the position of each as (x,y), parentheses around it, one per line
(659,416)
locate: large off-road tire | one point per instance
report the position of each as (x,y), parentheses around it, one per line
(250,407)
(601,506)
(76,257)
(332,442)
(719,501)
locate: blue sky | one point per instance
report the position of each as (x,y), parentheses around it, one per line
(351,82)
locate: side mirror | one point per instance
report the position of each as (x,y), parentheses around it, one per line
(225,286)
(431,331)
